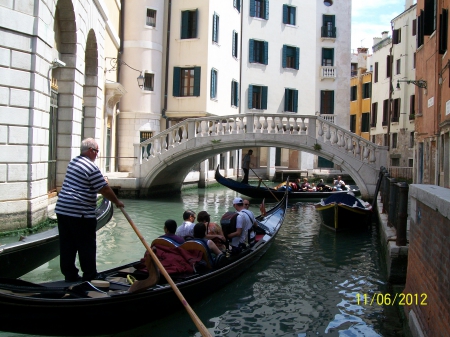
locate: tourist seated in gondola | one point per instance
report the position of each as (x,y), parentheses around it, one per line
(200,234)
(313,188)
(186,229)
(305,186)
(339,184)
(322,187)
(170,227)
(213,230)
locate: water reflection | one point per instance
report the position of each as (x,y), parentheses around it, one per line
(305,285)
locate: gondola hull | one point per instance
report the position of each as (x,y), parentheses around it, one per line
(270,193)
(341,215)
(19,258)
(120,310)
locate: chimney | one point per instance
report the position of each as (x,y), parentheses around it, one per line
(376,40)
(384,35)
(408,3)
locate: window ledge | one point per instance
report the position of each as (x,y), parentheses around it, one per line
(258,64)
(214,43)
(289,25)
(147,91)
(259,19)
(214,99)
(150,27)
(291,69)
(184,97)
(188,40)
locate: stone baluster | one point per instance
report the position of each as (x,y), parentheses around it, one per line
(303,127)
(288,126)
(280,125)
(365,152)
(295,127)
(328,134)
(320,130)
(233,127)
(357,149)
(241,125)
(164,143)
(212,128)
(334,138)
(258,125)
(265,125)
(350,144)
(372,155)
(272,125)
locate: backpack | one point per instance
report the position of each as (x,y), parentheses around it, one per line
(228,223)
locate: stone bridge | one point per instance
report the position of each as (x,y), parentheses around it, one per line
(163,166)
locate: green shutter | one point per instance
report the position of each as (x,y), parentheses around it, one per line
(184,24)
(214,28)
(264,98)
(250,96)
(284,56)
(194,31)
(252,8)
(236,93)
(233,50)
(297,58)
(213,84)
(332,102)
(176,81)
(286,99)
(251,51)
(197,78)
(266,8)
(266,52)
(295,92)
(285,13)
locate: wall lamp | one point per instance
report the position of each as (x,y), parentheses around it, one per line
(419,83)
(117,62)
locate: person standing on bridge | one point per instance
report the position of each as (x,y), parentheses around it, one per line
(246,166)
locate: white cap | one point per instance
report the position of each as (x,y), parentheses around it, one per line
(238,201)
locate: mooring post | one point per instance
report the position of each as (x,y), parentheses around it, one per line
(392,201)
(402,215)
(385,194)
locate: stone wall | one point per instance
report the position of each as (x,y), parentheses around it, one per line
(429,261)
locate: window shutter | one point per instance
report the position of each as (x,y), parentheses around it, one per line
(286,99)
(414,27)
(176,81)
(236,93)
(264,97)
(238,5)
(214,32)
(266,52)
(443,26)
(429,11)
(332,56)
(266,8)
(252,8)
(295,93)
(285,13)
(233,48)
(250,96)
(184,24)
(197,78)
(194,30)
(213,84)
(251,51)
(284,56)
(395,36)
(297,58)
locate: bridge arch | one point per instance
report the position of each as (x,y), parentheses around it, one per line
(175,150)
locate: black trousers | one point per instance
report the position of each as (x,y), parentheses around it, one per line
(77,235)
(245,179)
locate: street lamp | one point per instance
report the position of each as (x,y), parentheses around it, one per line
(419,83)
(117,62)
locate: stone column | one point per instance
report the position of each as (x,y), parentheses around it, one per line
(270,163)
(202,180)
(226,163)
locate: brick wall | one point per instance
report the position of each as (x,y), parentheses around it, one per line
(429,260)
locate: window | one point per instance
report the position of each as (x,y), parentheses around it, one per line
(395,161)
(291,57)
(412,106)
(366,89)
(237,5)
(420,29)
(429,20)
(186,81)
(328,3)
(149,81)
(389,59)
(234,49)
(385,139)
(189,24)
(234,93)
(353,93)
(327,102)
(215,27)
(258,52)
(151,18)
(257,97)
(353,123)
(290,100)
(365,117)
(375,80)
(397,36)
(353,69)
(143,136)
(289,14)
(411,139)
(327,56)
(410,162)
(213,93)
(394,140)
(385,112)
(259,9)
(414,27)
(328,26)
(396,110)
(443,23)
(373,122)
(398,66)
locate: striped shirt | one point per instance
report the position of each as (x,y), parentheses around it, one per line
(78,196)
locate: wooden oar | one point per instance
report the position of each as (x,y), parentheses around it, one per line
(198,323)
(266,185)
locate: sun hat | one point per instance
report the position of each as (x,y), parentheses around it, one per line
(237,201)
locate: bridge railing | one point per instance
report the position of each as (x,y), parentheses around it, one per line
(313,126)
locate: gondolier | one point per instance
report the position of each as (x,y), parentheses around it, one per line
(246,165)
(75,210)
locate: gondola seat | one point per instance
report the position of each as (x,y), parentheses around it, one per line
(167,242)
(198,245)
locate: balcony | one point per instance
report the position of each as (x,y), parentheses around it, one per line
(328,33)
(328,72)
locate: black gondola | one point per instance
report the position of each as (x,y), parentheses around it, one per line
(344,212)
(270,193)
(21,257)
(51,308)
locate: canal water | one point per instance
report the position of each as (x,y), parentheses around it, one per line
(307,284)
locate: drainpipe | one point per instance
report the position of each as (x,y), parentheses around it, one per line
(166,80)
(390,96)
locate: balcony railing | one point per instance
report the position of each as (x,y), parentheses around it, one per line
(328,72)
(329,32)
